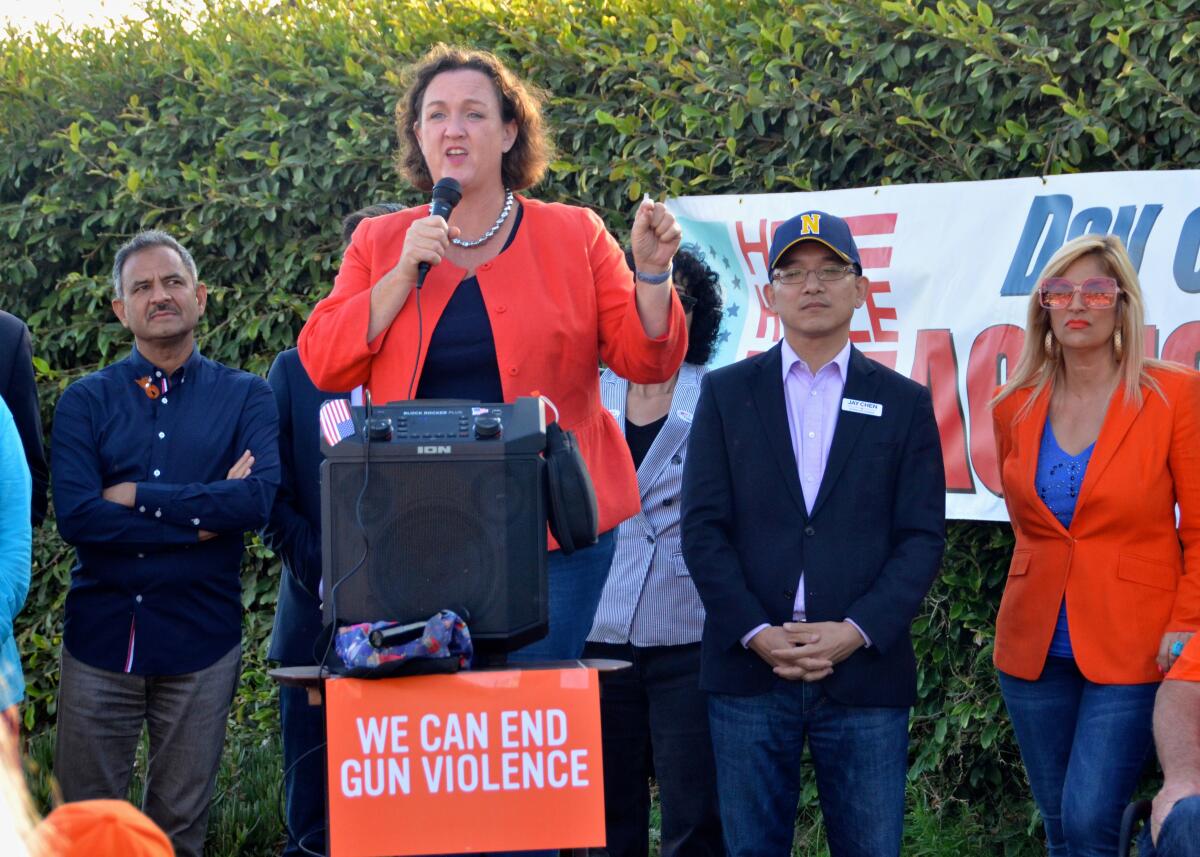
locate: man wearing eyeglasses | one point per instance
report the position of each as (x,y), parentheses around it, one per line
(813,526)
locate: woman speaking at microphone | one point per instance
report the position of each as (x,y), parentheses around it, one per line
(1098,447)
(521,297)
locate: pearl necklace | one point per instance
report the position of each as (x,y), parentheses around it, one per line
(504,212)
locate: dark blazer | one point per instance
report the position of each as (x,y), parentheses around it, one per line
(19,392)
(869,551)
(294,532)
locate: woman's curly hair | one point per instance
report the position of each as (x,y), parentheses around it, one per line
(692,273)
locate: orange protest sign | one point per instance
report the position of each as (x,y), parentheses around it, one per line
(470,762)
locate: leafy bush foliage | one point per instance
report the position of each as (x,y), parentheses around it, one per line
(249,133)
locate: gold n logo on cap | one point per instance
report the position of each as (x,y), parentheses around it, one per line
(810,224)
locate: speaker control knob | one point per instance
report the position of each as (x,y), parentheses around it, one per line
(379,429)
(487,427)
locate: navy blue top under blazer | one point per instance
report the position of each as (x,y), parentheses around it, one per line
(649,598)
(869,551)
(294,531)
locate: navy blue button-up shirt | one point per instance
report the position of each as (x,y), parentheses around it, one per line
(147,596)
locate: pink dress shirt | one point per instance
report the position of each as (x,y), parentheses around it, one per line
(813,401)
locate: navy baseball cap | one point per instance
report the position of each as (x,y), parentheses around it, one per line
(830,230)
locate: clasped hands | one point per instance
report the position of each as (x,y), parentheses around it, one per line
(806,651)
(125,493)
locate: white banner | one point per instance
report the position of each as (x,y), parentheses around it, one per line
(951,267)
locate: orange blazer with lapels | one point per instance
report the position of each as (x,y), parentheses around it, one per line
(1128,572)
(559,300)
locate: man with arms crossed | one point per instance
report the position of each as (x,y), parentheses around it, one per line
(813,526)
(161,462)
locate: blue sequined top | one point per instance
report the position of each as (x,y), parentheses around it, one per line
(1058,478)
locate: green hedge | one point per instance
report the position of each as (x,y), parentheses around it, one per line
(250,132)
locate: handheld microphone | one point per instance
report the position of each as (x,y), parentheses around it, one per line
(446,194)
(396,635)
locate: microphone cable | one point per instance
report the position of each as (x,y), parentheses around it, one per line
(417,356)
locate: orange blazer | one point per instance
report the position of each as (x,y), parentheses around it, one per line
(1128,572)
(560,298)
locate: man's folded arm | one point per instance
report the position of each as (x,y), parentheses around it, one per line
(83,516)
(227,505)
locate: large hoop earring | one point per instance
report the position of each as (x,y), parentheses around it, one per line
(1049,343)
(1118,345)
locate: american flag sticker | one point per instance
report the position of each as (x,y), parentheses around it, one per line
(336,422)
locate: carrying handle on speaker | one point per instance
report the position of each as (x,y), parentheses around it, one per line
(548,401)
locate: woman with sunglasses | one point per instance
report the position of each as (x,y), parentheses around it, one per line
(1097,444)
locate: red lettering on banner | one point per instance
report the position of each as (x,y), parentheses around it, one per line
(766,315)
(1150,341)
(875,257)
(872,224)
(1183,345)
(935,364)
(754,239)
(760,245)
(995,347)
(878,313)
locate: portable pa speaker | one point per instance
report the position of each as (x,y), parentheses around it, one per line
(444,509)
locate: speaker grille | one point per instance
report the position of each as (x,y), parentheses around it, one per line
(466,533)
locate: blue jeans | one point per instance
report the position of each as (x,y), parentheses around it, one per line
(575,583)
(1180,834)
(860,758)
(1084,746)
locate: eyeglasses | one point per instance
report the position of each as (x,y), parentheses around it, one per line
(799,276)
(1095,292)
(688,302)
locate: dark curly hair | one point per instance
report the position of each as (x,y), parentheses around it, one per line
(350,221)
(691,273)
(524,164)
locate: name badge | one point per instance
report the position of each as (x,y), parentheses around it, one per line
(855,406)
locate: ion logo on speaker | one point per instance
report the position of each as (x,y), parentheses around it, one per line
(433,450)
